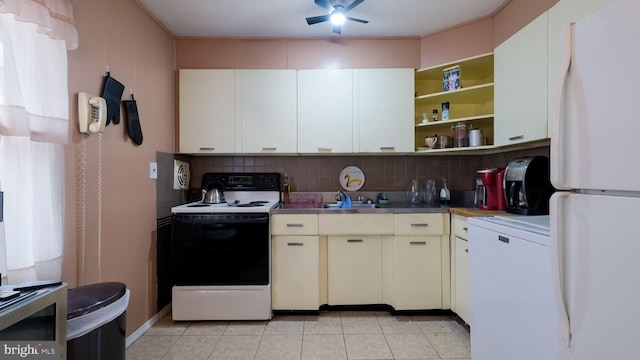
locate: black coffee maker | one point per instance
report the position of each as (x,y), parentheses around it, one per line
(527,186)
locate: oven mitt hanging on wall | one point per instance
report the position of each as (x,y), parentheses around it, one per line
(112,93)
(133,121)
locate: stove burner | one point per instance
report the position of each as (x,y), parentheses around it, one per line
(251,204)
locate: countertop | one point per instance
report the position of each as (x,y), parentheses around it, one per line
(475,212)
(463,209)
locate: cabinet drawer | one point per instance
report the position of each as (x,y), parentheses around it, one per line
(294,224)
(460,227)
(355,224)
(419,224)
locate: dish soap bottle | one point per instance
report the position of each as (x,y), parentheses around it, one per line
(286,189)
(445,195)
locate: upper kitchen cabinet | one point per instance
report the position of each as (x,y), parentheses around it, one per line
(325,111)
(560,16)
(471,103)
(385,110)
(208,101)
(521,85)
(268,111)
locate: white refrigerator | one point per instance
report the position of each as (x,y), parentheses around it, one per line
(595,240)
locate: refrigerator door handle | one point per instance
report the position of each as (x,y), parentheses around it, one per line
(555,204)
(556,143)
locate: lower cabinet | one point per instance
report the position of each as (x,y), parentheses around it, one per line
(460,268)
(462,279)
(298,272)
(400,260)
(295,272)
(417,272)
(421,274)
(354,269)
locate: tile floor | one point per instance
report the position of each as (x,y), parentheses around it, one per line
(329,336)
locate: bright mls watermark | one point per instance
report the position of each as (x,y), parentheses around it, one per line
(10,350)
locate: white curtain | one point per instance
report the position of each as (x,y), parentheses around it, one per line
(34,112)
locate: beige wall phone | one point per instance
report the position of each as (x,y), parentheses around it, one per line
(92,113)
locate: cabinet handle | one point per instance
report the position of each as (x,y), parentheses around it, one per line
(419,225)
(464,228)
(418,242)
(208,148)
(354,240)
(269,148)
(295,244)
(466,250)
(387,148)
(325,149)
(519,137)
(504,239)
(295,225)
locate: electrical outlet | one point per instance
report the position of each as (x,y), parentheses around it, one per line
(153,170)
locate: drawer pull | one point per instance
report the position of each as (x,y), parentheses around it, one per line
(355,240)
(465,228)
(273,148)
(295,225)
(207,148)
(519,137)
(325,149)
(295,244)
(419,225)
(387,148)
(504,239)
(418,242)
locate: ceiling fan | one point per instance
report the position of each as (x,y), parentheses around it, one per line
(337,14)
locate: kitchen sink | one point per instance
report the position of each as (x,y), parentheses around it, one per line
(353,206)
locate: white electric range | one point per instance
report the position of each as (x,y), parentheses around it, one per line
(222,252)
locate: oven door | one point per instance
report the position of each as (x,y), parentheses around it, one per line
(221,249)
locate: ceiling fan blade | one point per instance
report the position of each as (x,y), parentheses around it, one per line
(337,29)
(325,5)
(317,19)
(353,4)
(358,20)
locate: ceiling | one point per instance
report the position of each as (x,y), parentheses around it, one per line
(286,18)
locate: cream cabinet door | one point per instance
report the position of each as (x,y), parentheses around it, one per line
(354,270)
(295,273)
(520,94)
(417,272)
(268,111)
(461,264)
(207,111)
(560,16)
(385,110)
(325,111)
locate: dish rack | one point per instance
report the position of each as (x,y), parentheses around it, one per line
(304,200)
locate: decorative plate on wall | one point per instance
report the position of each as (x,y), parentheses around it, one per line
(351,178)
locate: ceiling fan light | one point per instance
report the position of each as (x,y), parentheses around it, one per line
(338,18)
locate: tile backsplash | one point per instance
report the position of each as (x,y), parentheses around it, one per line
(382,173)
(320,173)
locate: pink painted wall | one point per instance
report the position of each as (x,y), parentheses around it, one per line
(457,43)
(139,54)
(296,53)
(515,15)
